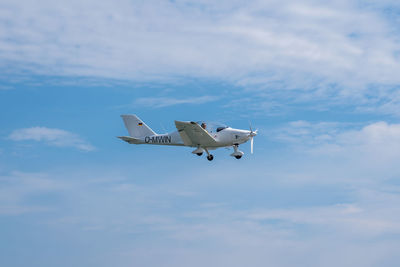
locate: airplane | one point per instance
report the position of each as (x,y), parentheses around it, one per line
(189,133)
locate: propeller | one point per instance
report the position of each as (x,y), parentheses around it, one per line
(252,134)
(251,143)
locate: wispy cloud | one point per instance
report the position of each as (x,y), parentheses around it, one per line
(18,189)
(378,134)
(108,203)
(332,51)
(371,150)
(51,136)
(310,133)
(159,102)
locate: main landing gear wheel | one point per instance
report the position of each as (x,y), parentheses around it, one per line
(199,154)
(210,157)
(238,157)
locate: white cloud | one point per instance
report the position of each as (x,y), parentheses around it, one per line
(379,134)
(378,142)
(159,102)
(353,154)
(362,221)
(332,51)
(160,225)
(51,136)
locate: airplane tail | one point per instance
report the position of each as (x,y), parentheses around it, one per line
(136,127)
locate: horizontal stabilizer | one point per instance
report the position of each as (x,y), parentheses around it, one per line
(130,140)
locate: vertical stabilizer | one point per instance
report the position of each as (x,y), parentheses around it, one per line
(136,127)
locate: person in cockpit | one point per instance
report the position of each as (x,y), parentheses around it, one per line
(203,125)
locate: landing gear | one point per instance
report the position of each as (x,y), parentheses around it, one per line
(237,154)
(199,151)
(209,156)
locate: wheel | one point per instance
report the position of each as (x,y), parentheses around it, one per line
(210,157)
(238,157)
(199,154)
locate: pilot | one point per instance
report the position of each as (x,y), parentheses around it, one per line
(204,125)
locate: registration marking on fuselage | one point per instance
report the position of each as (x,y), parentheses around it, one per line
(157,139)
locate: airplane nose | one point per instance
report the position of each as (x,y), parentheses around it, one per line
(253,133)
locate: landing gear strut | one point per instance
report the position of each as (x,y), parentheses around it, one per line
(209,156)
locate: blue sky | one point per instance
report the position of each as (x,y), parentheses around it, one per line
(319,80)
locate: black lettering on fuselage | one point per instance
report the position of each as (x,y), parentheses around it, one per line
(163,139)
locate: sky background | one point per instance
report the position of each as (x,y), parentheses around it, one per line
(319,80)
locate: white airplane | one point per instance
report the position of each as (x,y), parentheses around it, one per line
(189,133)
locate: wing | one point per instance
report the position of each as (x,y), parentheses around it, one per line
(193,135)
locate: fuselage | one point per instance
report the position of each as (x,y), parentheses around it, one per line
(226,137)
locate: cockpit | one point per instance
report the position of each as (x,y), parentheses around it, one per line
(212,127)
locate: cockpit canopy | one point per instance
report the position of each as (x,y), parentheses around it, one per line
(212,127)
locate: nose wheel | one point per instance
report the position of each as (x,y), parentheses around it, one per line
(237,154)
